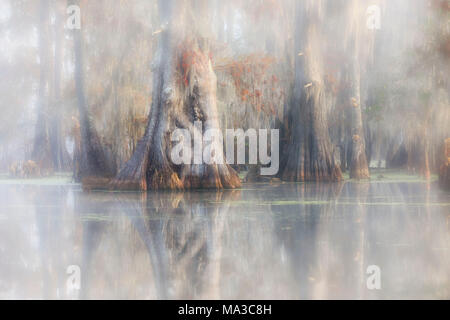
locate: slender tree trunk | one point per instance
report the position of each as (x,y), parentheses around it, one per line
(94,162)
(310,154)
(41,153)
(358,163)
(76,134)
(444,173)
(425,160)
(60,156)
(184,91)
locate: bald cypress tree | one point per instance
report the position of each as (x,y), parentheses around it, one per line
(309,151)
(184,92)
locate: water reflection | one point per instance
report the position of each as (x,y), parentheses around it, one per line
(302,241)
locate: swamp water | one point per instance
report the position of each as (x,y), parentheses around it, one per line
(287,241)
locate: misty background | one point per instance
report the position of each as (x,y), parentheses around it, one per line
(404,63)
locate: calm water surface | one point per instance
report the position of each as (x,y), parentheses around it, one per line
(293,241)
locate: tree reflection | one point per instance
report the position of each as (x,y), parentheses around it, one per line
(308,241)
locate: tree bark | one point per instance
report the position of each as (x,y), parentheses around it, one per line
(359,168)
(358,163)
(310,154)
(184,91)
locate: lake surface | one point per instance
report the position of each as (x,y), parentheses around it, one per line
(287,241)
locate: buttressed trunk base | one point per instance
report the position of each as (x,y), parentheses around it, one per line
(310,155)
(184,92)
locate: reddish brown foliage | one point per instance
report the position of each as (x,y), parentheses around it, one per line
(253,82)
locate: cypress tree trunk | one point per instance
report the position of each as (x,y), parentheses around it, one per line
(41,153)
(310,154)
(93,162)
(60,156)
(184,91)
(444,173)
(358,162)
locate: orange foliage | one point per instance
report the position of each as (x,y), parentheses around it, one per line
(190,57)
(442,5)
(252,82)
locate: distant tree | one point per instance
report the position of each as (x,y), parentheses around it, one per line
(60,156)
(93,159)
(42,147)
(359,168)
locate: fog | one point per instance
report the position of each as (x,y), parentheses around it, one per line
(403,55)
(356,93)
